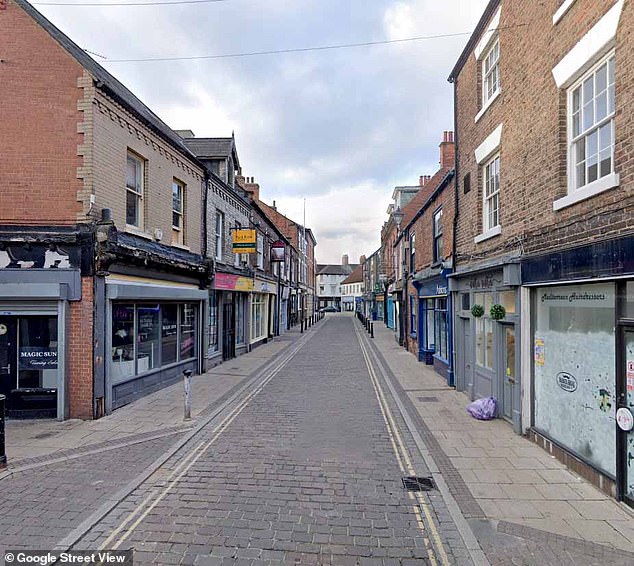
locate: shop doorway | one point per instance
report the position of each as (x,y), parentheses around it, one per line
(28,365)
(228,331)
(509,397)
(625,438)
(464,353)
(8,356)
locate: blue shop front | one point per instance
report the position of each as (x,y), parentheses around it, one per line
(434,322)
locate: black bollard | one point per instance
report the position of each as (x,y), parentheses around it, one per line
(3,455)
(371,330)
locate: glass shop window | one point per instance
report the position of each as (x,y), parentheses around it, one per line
(149,345)
(169,334)
(188,331)
(122,342)
(38,352)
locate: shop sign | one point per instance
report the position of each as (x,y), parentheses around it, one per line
(277,251)
(441,289)
(629,383)
(567,382)
(484,282)
(37,358)
(586,298)
(229,282)
(244,241)
(625,419)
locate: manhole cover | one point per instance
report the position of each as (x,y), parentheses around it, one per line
(427,399)
(415,483)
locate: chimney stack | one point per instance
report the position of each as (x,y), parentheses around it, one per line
(250,186)
(447,150)
(362,259)
(344,259)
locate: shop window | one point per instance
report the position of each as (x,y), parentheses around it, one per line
(412,315)
(484,332)
(429,324)
(574,382)
(122,342)
(169,334)
(149,346)
(37,352)
(258,317)
(188,331)
(212,324)
(440,326)
(507,300)
(465,301)
(240,314)
(629,302)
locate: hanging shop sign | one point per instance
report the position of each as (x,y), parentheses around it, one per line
(244,241)
(277,251)
(32,357)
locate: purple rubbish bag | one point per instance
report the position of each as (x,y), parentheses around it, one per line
(483,409)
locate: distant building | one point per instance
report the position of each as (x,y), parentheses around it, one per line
(352,290)
(329,279)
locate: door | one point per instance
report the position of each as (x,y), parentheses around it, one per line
(464,380)
(8,356)
(625,471)
(228,331)
(509,379)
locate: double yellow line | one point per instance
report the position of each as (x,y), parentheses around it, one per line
(143,509)
(405,464)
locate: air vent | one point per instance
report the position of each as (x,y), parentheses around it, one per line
(415,483)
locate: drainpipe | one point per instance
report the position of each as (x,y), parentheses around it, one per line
(455,228)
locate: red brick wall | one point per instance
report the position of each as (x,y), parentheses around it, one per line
(80,345)
(39,117)
(533,150)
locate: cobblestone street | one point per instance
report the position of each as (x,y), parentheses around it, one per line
(300,463)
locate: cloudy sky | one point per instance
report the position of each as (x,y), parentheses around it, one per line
(337,129)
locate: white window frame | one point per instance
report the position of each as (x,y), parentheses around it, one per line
(219,227)
(487,98)
(178,229)
(576,192)
(437,253)
(137,189)
(494,195)
(260,251)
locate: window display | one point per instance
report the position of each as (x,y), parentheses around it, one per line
(574,352)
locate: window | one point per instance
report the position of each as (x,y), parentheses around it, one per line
(134,191)
(412,315)
(484,332)
(178,208)
(220,222)
(591,111)
(438,255)
(412,253)
(466,183)
(146,337)
(258,317)
(492,194)
(440,326)
(260,250)
(212,324)
(491,73)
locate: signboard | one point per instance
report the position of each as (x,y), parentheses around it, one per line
(244,241)
(229,282)
(625,419)
(34,357)
(630,376)
(277,251)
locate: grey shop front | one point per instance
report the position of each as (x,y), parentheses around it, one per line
(154,331)
(487,350)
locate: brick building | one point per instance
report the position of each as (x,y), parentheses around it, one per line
(427,228)
(545,227)
(101,257)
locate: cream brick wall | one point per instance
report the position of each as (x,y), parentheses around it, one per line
(115,131)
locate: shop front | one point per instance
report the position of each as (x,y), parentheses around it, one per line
(434,324)
(263,307)
(486,327)
(582,350)
(227,318)
(38,285)
(154,334)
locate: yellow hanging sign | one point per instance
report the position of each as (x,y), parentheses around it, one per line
(244,241)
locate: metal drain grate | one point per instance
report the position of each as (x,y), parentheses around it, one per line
(414,483)
(427,399)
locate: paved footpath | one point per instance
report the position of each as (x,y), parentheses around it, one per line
(296,455)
